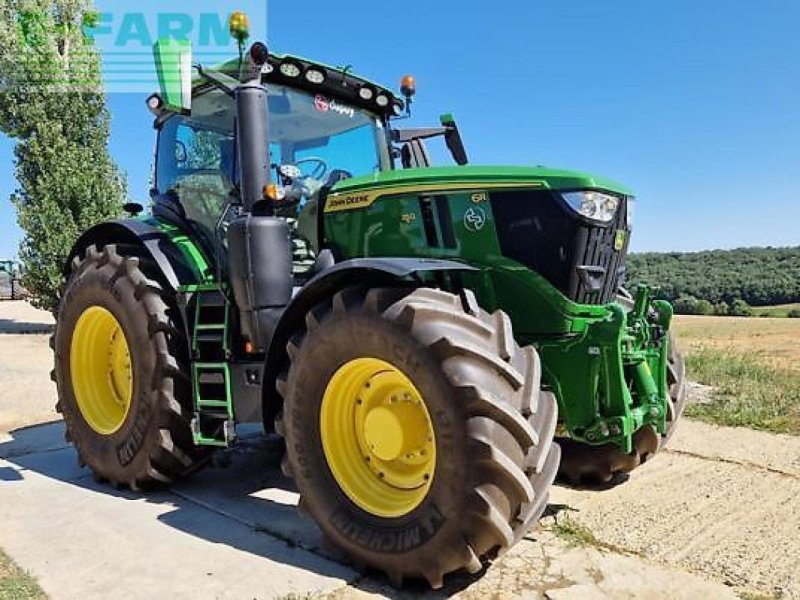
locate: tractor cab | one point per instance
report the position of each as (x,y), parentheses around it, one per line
(323,125)
(315,140)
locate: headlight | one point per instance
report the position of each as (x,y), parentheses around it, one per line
(630,209)
(593,205)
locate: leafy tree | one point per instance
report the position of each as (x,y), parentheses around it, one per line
(722,309)
(685,305)
(52,103)
(757,276)
(740,308)
(704,307)
(794,313)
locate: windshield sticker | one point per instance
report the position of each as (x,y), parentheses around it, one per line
(324,104)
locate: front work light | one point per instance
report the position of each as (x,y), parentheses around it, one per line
(289,69)
(593,205)
(315,76)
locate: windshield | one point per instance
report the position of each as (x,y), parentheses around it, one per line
(321,134)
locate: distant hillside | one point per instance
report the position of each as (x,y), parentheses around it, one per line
(758,276)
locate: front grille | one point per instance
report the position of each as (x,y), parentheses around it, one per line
(536,229)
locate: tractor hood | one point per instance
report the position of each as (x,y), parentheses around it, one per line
(431,177)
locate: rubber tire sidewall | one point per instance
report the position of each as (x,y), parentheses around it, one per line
(122,455)
(335,342)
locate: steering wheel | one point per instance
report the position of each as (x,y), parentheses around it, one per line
(319,171)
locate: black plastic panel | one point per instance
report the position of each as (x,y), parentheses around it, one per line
(577,256)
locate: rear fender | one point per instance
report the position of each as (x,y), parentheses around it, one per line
(178,266)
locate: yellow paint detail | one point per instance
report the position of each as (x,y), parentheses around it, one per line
(378,437)
(343,201)
(619,240)
(479,197)
(101,371)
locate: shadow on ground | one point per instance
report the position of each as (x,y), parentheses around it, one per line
(12,326)
(243,485)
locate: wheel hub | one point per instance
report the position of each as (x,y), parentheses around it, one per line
(101,370)
(378,437)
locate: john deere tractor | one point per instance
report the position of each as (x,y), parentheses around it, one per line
(418,335)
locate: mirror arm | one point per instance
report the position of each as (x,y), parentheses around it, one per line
(407,135)
(218,80)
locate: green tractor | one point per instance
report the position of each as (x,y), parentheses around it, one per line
(419,336)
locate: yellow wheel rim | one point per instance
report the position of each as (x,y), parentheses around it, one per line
(100,368)
(378,437)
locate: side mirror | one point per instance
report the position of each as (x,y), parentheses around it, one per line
(452,138)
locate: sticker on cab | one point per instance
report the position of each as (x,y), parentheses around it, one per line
(324,104)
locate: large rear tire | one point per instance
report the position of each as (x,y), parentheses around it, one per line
(120,369)
(416,430)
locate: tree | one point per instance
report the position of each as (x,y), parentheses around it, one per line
(685,305)
(704,307)
(740,308)
(53,104)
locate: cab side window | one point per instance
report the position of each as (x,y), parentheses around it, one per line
(195,167)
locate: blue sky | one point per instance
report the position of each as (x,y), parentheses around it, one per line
(694,106)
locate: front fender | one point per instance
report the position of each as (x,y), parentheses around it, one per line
(371,272)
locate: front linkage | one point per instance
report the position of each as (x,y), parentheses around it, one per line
(616,416)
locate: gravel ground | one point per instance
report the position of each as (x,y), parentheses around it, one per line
(720,501)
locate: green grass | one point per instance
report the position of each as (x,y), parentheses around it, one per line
(16,584)
(747,393)
(574,533)
(781,310)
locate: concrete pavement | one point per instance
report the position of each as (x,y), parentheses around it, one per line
(86,540)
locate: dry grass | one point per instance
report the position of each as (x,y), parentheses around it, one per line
(16,584)
(773,343)
(753,365)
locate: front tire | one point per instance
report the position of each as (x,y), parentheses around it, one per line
(416,430)
(120,371)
